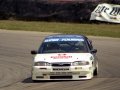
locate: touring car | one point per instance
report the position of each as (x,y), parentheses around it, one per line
(65,57)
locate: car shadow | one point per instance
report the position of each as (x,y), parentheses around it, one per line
(29,80)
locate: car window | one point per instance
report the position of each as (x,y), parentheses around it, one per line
(64,47)
(90,44)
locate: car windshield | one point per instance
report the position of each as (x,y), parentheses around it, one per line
(63,47)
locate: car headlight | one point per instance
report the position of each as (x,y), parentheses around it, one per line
(78,63)
(42,64)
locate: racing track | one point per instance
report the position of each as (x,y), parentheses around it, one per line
(16,61)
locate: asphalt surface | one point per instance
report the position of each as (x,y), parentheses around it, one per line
(16,62)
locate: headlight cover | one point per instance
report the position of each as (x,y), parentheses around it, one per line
(79,63)
(42,64)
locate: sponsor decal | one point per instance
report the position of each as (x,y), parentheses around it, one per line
(63,39)
(61,56)
(52,40)
(106,12)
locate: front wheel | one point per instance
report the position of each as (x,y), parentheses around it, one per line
(95,72)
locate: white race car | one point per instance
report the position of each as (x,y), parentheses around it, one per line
(65,57)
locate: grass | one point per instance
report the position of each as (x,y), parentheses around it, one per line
(108,30)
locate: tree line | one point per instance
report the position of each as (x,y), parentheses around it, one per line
(42,10)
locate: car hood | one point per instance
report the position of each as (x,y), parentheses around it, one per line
(63,57)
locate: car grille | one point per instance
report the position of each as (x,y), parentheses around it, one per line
(61,69)
(61,64)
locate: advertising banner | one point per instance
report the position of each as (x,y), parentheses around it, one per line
(106,12)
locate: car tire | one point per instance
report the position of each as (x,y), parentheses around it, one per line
(95,72)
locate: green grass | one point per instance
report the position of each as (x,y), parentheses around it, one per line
(109,30)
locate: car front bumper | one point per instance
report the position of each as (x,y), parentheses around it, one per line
(62,73)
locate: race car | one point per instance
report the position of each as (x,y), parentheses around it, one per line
(65,57)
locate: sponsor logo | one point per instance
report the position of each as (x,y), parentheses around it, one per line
(63,39)
(106,12)
(61,56)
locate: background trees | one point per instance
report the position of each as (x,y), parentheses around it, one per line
(43,10)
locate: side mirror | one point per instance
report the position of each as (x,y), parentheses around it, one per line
(94,51)
(33,52)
